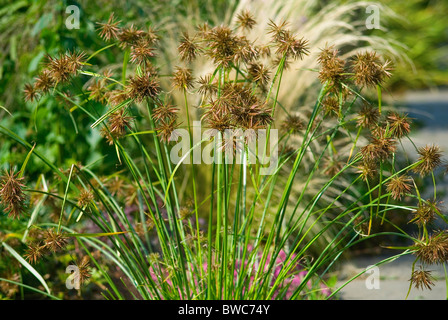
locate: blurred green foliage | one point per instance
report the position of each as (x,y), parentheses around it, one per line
(423,29)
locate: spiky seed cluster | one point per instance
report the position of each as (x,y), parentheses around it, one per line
(259,73)
(380,148)
(167,130)
(422,279)
(237,107)
(164,112)
(332,165)
(12,195)
(183,78)
(55,241)
(129,36)
(287,44)
(368,117)
(188,48)
(52,242)
(57,70)
(332,67)
(143,86)
(399,186)
(30,92)
(118,122)
(115,97)
(98,91)
(225,48)
(367,169)
(399,125)
(430,157)
(44,81)
(62,68)
(368,69)
(141,53)
(426,212)
(245,20)
(84,269)
(85,198)
(434,250)
(330,106)
(207,85)
(293,124)
(34,252)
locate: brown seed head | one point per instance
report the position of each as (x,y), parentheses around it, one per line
(183,78)
(422,279)
(434,250)
(399,186)
(368,69)
(12,196)
(55,241)
(245,20)
(399,125)
(426,212)
(109,30)
(143,86)
(188,48)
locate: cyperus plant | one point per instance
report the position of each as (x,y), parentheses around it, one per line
(151,231)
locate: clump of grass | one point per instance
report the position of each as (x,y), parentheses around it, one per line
(250,236)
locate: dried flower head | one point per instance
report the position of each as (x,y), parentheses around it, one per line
(188,48)
(293,124)
(422,279)
(97,91)
(60,69)
(399,125)
(55,241)
(291,47)
(12,196)
(368,69)
(30,92)
(115,97)
(332,67)
(380,147)
(245,20)
(34,252)
(84,269)
(367,169)
(129,36)
(368,117)
(164,112)
(85,198)
(399,186)
(332,165)
(434,250)
(207,86)
(141,53)
(277,32)
(118,122)
(44,81)
(143,86)
(109,30)
(429,159)
(259,73)
(330,106)
(167,130)
(183,78)
(426,212)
